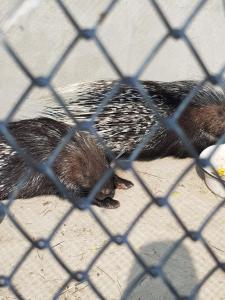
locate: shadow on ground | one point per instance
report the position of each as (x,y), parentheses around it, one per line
(179,269)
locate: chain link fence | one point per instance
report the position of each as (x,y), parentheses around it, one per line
(45,82)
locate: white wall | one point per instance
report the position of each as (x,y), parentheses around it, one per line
(40,34)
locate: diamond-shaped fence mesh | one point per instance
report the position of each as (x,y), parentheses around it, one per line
(83,275)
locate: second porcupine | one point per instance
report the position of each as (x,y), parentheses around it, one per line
(127,118)
(79,165)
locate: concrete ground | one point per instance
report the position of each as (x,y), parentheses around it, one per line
(80,238)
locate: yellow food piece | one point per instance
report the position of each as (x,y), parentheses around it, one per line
(175,194)
(221,171)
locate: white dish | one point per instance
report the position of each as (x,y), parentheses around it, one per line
(218,161)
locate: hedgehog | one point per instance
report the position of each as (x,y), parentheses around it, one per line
(79,165)
(127,117)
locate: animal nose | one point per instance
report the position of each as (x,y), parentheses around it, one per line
(109,193)
(105,193)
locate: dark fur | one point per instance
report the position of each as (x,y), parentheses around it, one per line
(127,118)
(78,166)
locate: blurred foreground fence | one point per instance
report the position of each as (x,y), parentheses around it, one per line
(91,34)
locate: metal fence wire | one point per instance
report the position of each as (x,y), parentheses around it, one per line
(91,34)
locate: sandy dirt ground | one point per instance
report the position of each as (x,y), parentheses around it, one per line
(79,239)
(131,30)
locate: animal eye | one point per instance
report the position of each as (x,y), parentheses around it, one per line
(83,191)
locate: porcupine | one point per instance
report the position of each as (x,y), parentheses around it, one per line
(127,118)
(79,165)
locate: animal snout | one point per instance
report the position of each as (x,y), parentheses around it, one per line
(106,193)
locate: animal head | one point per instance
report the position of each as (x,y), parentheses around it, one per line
(84,163)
